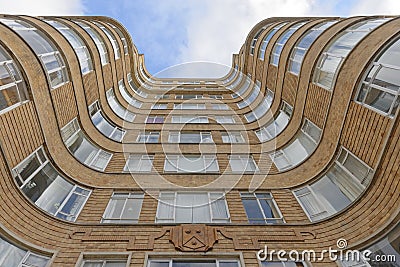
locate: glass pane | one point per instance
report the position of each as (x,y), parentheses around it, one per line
(36,261)
(253,211)
(132,209)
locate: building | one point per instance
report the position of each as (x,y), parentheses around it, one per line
(296,149)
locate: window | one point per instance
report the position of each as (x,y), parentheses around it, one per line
(193,263)
(274,128)
(139,163)
(188,97)
(82,149)
(242,164)
(249,99)
(254,41)
(123,208)
(338,188)
(118,108)
(47,52)
(189,119)
(232,137)
(159,106)
(191,164)
(104,263)
(107,128)
(190,137)
(299,149)
(134,88)
(261,109)
(380,89)
(11,255)
(216,96)
(220,106)
(267,38)
(155,119)
(101,47)
(148,137)
(161,96)
(12,85)
(192,207)
(282,264)
(127,96)
(111,38)
(261,208)
(225,119)
(85,60)
(332,58)
(189,106)
(122,37)
(302,46)
(44,186)
(280,43)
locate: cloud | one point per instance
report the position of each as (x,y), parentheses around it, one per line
(42,7)
(217,33)
(372,7)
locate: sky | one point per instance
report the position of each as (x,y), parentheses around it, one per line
(173,32)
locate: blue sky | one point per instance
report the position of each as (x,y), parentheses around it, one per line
(171,32)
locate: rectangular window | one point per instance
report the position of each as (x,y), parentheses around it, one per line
(261,208)
(139,163)
(192,207)
(123,208)
(148,137)
(155,119)
(216,96)
(188,97)
(220,106)
(189,119)
(242,164)
(232,137)
(189,106)
(104,263)
(193,263)
(159,106)
(191,164)
(225,119)
(282,264)
(190,137)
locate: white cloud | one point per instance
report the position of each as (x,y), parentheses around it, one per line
(218,30)
(42,7)
(372,7)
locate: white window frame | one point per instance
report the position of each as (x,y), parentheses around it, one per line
(245,161)
(126,196)
(189,119)
(271,198)
(76,127)
(203,136)
(232,137)
(44,162)
(142,158)
(225,119)
(147,136)
(211,199)
(154,118)
(169,158)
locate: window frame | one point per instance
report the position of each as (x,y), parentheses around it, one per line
(210,200)
(130,195)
